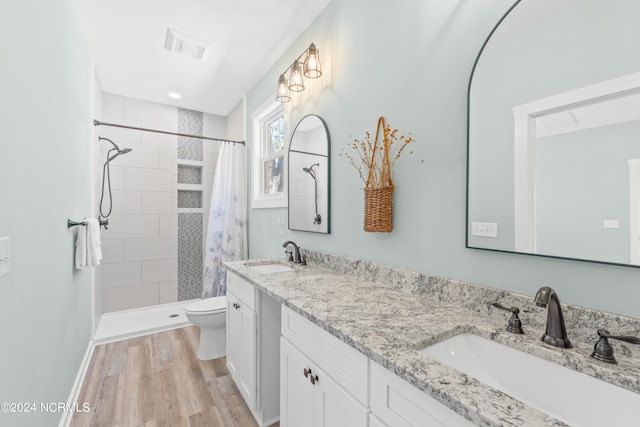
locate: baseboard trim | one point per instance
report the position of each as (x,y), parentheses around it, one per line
(67,416)
(271,421)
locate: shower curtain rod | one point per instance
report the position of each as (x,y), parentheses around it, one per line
(99,123)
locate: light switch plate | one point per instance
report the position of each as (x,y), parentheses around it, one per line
(5,255)
(484,229)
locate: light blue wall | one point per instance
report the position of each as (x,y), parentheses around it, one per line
(44,176)
(410,61)
(582,178)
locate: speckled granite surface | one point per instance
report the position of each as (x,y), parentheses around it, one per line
(388,314)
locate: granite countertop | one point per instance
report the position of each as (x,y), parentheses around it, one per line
(390,326)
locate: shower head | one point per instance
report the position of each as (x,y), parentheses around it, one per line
(310,170)
(123,151)
(116,148)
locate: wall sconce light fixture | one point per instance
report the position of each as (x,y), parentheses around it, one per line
(310,68)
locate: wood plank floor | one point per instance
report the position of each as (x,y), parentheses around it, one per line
(157,381)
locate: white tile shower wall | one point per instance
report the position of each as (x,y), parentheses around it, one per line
(140,246)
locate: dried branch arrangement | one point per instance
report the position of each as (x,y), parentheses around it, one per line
(375,160)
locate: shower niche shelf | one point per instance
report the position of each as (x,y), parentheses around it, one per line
(189,199)
(189,174)
(190,185)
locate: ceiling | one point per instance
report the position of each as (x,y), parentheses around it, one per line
(127,41)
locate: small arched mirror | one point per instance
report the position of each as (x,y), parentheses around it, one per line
(309,176)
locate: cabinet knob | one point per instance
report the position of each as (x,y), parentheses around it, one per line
(236,305)
(307,372)
(314,379)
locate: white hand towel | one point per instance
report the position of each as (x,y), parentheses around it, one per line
(81,247)
(94,252)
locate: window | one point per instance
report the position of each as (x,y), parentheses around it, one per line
(269,178)
(273,164)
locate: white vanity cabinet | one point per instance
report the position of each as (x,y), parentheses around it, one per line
(396,403)
(241,346)
(323,381)
(253,331)
(290,369)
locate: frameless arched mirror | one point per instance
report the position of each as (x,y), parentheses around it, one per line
(309,176)
(554,133)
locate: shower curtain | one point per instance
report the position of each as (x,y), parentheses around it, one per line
(226,233)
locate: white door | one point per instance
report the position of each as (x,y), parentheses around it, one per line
(375,421)
(247,383)
(296,390)
(234,334)
(334,407)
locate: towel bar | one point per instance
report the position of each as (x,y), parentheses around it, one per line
(104,222)
(74,223)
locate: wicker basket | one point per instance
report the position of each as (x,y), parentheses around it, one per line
(378,209)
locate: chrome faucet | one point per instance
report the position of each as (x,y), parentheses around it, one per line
(556,332)
(296,252)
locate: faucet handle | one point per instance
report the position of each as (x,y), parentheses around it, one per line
(289,254)
(515,324)
(626,338)
(603,351)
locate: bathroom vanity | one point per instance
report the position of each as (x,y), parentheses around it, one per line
(253,331)
(346,344)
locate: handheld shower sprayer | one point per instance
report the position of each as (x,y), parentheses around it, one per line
(310,170)
(116,148)
(106,173)
(318,218)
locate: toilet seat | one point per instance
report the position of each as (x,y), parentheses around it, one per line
(208,306)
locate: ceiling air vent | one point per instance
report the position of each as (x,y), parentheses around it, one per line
(185,44)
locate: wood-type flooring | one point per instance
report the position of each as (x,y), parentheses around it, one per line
(157,381)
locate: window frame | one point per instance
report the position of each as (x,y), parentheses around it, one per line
(261,118)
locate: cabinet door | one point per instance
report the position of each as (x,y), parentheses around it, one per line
(296,391)
(303,403)
(241,347)
(247,377)
(234,334)
(375,421)
(334,407)
(397,403)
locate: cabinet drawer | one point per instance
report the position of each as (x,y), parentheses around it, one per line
(398,403)
(242,289)
(345,365)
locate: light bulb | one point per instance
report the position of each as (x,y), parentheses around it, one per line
(296,83)
(283,90)
(312,67)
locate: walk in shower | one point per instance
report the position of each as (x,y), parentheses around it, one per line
(153,249)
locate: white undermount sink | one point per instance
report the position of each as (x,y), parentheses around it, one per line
(565,394)
(268,267)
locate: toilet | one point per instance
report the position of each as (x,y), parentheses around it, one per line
(209,315)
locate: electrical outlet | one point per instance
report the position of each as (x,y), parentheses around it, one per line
(611,223)
(484,229)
